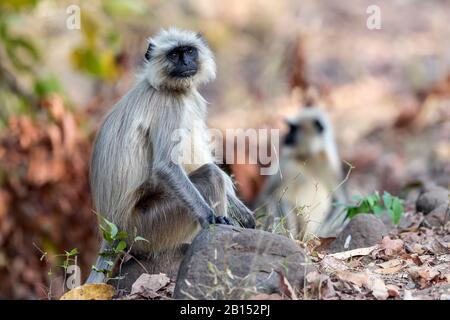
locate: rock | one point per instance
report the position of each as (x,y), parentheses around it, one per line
(431,198)
(407,220)
(166,262)
(439,216)
(364,230)
(226,262)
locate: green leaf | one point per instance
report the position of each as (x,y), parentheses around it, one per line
(113,230)
(106,234)
(22,52)
(397,210)
(46,85)
(138,238)
(73,252)
(387,199)
(378,210)
(121,246)
(121,235)
(126,9)
(371,200)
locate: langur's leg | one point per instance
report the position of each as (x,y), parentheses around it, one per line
(211,186)
(236,209)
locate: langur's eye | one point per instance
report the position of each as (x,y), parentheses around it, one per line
(190,51)
(173,55)
(318,126)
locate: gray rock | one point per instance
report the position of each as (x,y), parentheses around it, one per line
(227,262)
(364,230)
(432,198)
(439,216)
(166,262)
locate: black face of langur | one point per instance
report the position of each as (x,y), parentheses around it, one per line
(305,137)
(184,60)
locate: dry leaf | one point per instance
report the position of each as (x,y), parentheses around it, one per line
(320,285)
(91,291)
(331,264)
(378,288)
(367,280)
(358,278)
(438,248)
(389,270)
(389,267)
(423,275)
(325,243)
(147,283)
(353,253)
(391,247)
(390,263)
(286,288)
(264,296)
(393,290)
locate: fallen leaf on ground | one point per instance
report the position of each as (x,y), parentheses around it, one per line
(353,253)
(438,248)
(391,247)
(331,264)
(320,285)
(367,280)
(264,296)
(423,275)
(325,243)
(389,267)
(393,290)
(378,288)
(150,282)
(286,288)
(358,278)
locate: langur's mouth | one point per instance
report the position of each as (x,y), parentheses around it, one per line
(186,73)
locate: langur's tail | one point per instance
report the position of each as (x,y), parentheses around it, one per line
(105,263)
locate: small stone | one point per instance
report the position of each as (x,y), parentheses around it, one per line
(439,216)
(432,198)
(365,230)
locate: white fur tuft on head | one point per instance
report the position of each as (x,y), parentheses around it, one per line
(157,65)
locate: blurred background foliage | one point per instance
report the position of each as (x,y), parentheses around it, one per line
(387,92)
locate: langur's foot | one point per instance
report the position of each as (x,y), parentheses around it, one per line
(219,220)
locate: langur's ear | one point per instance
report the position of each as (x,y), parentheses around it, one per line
(200,36)
(290,122)
(311,97)
(150,48)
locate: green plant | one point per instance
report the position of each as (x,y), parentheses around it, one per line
(377,205)
(117,241)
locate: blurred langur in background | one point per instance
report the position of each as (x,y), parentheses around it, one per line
(299,198)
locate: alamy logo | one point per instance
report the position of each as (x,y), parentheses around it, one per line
(374,19)
(73,274)
(73,21)
(250,146)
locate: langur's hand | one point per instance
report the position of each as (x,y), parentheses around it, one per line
(213,219)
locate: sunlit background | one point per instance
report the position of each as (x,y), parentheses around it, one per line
(387,91)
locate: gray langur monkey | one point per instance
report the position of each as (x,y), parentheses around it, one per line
(136,181)
(300,197)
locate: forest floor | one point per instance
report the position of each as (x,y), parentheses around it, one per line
(409,264)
